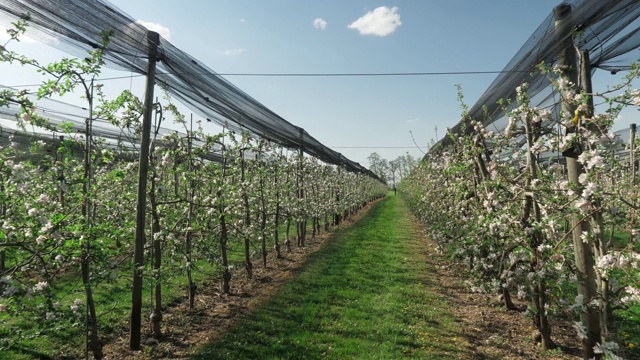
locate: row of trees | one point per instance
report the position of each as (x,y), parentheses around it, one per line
(560,233)
(68,202)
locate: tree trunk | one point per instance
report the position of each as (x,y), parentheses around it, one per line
(263,222)
(276,219)
(156,314)
(226,274)
(94,343)
(287,242)
(247,244)
(506,297)
(538,289)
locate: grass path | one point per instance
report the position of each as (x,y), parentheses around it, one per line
(365,295)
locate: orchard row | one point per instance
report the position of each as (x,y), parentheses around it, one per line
(559,232)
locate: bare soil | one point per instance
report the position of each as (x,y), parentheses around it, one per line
(492,331)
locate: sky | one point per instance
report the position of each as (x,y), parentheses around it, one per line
(353,115)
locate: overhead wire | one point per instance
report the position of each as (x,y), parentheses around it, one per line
(388,74)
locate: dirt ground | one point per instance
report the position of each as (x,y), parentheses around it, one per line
(491,331)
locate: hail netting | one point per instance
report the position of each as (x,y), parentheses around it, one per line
(75,27)
(124,141)
(608,29)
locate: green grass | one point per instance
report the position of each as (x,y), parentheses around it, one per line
(34,338)
(621,239)
(629,330)
(627,322)
(366,294)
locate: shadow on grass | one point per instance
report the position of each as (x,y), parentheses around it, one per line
(34,354)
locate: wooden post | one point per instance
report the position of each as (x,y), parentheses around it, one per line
(632,154)
(226,274)
(337,216)
(3,210)
(633,170)
(276,174)
(303,221)
(600,248)
(583,251)
(188,238)
(138,253)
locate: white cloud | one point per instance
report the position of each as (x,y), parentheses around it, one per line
(233,52)
(243,20)
(162,30)
(380,22)
(412,121)
(319,23)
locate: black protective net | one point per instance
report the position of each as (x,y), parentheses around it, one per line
(77,26)
(608,29)
(125,142)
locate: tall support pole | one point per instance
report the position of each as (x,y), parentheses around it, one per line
(226,274)
(3,212)
(276,218)
(138,253)
(632,153)
(189,234)
(583,251)
(633,170)
(600,246)
(303,220)
(585,79)
(338,216)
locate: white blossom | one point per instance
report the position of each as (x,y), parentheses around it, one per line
(581,330)
(43,199)
(582,204)
(589,189)
(40,286)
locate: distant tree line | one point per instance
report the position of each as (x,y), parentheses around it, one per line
(392,172)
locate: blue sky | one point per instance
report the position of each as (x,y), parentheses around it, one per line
(284,36)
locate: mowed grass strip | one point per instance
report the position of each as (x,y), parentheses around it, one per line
(365,295)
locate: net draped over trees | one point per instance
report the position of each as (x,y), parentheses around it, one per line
(534,194)
(77,26)
(608,30)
